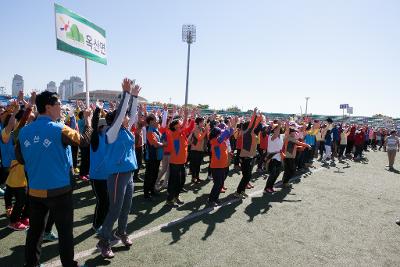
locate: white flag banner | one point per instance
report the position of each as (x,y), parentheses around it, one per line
(78,36)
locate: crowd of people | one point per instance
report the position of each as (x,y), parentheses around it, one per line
(45,145)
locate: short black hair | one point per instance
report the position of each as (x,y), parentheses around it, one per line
(45,98)
(226,120)
(245,125)
(173,124)
(214,132)
(199,120)
(80,115)
(110,117)
(149,118)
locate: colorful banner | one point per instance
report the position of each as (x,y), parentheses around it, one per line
(78,36)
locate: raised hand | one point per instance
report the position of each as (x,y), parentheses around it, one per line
(14,104)
(112,105)
(87,114)
(126,85)
(33,97)
(136,90)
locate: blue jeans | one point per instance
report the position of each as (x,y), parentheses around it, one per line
(120,191)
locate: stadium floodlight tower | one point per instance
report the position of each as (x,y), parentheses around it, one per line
(188,36)
(307,97)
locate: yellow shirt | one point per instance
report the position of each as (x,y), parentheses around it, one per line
(16,177)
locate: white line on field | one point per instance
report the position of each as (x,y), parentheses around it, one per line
(86,253)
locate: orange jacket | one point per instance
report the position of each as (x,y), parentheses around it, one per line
(179,144)
(219,154)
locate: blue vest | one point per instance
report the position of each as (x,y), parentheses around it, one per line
(69,156)
(121,155)
(152,152)
(309,139)
(46,157)
(98,160)
(7,152)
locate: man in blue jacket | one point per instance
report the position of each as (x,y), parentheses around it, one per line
(44,147)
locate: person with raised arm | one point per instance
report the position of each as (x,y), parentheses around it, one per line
(274,156)
(179,131)
(165,138)
(248,152)
(120,164)
(97,170)
(197,140)
(219,161)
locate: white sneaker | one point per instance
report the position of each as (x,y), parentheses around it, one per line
(209,177)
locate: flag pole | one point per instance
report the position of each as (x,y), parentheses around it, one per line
(86,84)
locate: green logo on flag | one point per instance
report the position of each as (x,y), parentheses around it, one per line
(74,34)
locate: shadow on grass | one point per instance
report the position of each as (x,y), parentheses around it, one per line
(201,214)
(16,258)
(261,205)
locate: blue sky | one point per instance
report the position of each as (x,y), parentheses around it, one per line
(269,54)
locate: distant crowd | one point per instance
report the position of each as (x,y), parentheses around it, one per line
(45,146)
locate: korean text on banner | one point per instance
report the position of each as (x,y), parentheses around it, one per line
(78,36)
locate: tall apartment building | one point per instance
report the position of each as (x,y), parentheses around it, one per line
(17,85)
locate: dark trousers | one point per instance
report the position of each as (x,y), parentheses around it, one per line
(358,152)
(219,175)
(150,176)
(309,154)
(246,174)
(260,158)
(290,170)
(342,148)
(300,159)
(196,158)
(74,156)
(274,170)
(177,177)
(349,147)
(321,148)
(335,145)
(3,175)
(49,224)
(139,159)
(237,158)
(62,209)
(85,161)
(100,191)
(20,209)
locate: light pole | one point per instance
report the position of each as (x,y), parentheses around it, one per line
(307,97)
(188,36)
